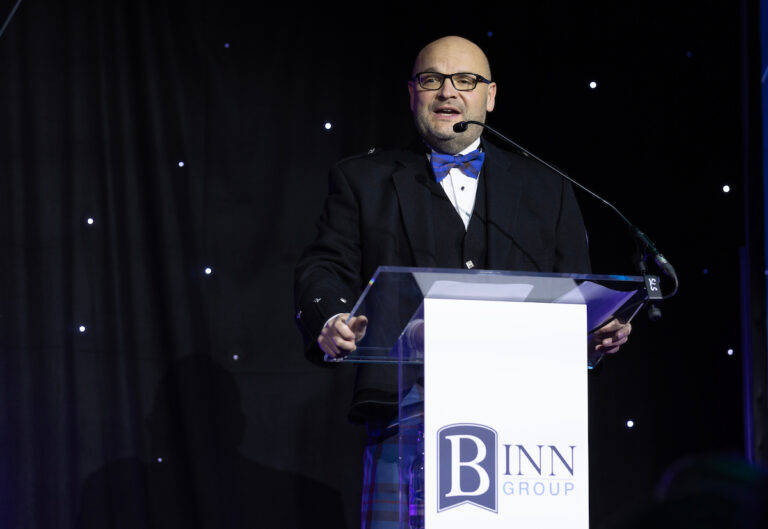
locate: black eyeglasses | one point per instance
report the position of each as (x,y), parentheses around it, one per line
(462,81)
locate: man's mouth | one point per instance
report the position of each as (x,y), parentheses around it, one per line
(446,111)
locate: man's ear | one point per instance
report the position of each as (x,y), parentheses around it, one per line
(491,101)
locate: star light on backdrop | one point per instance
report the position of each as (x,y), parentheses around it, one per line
(593,84)
(181,164)
(208,270)
(726,189)
(89,220)
(327,125)
(81,328)
(630,423)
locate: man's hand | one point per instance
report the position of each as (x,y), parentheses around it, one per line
(338,337)
(608,338)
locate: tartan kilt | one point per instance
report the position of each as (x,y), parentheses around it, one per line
(385,482)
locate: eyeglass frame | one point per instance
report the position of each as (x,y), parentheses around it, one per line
(479,79)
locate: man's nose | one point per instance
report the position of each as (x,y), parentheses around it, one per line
(447,90)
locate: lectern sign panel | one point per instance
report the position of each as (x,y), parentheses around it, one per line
(505,415)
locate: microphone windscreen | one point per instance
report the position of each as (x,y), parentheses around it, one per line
(461,126)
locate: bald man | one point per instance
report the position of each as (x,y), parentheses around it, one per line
(537,224)
(418,206)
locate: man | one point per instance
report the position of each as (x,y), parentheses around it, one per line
(413,207)
(536,224)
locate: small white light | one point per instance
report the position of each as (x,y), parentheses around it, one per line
(81,328)
(226,44)
(726,189)
(208,270)
(730,352)
(89,220)
(159,459)
(235,357)
(630,423)
(592,85)
(181,164)
(328,125)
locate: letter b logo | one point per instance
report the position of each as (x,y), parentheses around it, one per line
(466,466)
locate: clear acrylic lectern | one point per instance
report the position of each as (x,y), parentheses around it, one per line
(492,413)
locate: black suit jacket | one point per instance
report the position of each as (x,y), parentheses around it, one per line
(379,212)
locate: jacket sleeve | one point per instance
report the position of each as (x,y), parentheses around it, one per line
(327,276)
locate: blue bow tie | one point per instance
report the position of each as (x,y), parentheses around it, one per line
(469,164)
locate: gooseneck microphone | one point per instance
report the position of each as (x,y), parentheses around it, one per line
(645,243)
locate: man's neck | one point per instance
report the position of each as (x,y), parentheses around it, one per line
(469,148)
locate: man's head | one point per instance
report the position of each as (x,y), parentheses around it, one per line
(436,111)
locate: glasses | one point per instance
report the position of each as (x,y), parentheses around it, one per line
(462,81)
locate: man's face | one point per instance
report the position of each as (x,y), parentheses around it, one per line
(436,111)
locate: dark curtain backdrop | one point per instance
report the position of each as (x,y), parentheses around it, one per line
(192,133)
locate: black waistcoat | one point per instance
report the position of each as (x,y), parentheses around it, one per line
(456,246)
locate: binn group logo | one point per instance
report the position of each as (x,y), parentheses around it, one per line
(467,466)
(471,469)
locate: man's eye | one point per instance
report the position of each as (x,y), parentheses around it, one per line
(430,79)
(464,80)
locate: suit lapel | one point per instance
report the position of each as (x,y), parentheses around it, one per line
(503,192)
(411,180)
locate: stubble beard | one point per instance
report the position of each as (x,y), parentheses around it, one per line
(447,142)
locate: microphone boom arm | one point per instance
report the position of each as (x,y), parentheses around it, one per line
(641,237)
